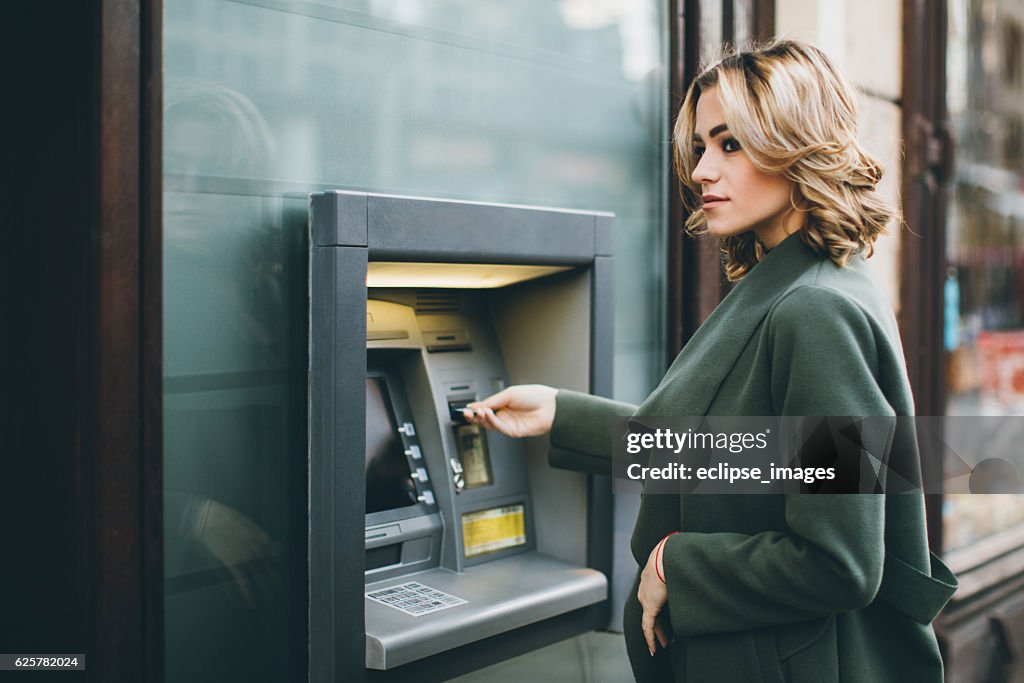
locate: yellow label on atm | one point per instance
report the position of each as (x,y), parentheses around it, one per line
(485,531)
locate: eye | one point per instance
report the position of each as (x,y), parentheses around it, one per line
(731,145)
(698,152)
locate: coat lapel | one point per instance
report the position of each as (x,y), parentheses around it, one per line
(698,371)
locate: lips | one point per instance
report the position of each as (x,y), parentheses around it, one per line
(710,201)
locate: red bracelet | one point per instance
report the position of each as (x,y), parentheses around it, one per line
(658,553)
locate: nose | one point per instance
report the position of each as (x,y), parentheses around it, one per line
(706,170)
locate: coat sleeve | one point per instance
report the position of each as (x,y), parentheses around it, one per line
(822,351)
(581,436)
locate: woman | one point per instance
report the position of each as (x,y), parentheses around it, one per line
(773,588)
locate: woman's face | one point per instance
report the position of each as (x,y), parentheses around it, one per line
(737,197)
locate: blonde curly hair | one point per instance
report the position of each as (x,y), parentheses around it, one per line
(795,115)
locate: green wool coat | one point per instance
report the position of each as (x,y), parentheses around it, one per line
(802,588)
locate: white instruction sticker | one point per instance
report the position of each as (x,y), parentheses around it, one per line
(414,598)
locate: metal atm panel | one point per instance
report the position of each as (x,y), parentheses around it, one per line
(466,537)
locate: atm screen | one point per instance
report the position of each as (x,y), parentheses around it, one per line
(389,483)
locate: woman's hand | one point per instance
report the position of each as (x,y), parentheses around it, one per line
(653,594)
(521,410)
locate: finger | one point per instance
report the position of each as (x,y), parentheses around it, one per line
(479,413)
(647,625)
(479,416)
(660,632)
(494,401)
(499,423)
(489,419)
(484,415)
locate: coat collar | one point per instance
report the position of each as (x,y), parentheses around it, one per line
(708,357)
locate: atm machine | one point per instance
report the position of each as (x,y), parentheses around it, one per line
(437,548)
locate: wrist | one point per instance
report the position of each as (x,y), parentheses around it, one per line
(659,556)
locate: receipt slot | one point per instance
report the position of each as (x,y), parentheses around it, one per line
(437,548)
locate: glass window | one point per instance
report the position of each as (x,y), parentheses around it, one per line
(543,103)
(984,319)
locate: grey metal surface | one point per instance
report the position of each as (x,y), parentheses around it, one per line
(602,325)
(600,504)
(338,219)
(544,331)
(500,596)
(473,232)
(477,232)
(604,235)
(336,437)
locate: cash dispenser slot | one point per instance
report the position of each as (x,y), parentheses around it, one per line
(383,557)
(401,548)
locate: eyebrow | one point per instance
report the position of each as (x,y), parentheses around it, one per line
(711,133)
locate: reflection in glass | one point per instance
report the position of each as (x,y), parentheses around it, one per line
(984,287)
(230,487)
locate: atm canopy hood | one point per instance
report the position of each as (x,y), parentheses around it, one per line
(394,228)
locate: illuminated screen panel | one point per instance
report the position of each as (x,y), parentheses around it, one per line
(389,483)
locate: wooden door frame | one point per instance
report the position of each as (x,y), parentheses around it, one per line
(84,262)
(926,171)
(124,286)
